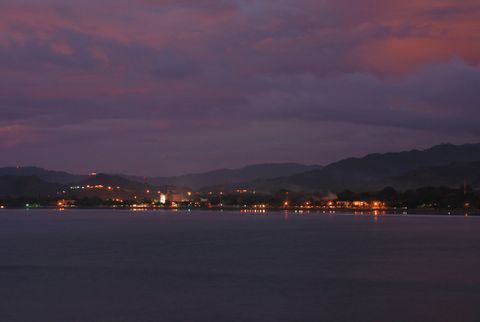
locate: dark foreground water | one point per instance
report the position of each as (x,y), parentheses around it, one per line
(114,266)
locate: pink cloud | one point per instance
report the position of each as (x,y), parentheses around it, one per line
(205,63)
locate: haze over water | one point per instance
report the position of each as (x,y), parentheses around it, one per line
(107,266)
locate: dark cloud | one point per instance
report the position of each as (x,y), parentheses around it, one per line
(436,97)
(192,4)
(194,85)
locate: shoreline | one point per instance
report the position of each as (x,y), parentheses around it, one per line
(252,210)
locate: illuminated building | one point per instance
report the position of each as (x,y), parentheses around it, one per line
(343,204)
(176,197)
(65,203)
(360,204)
(163,198)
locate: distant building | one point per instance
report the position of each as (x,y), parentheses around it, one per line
(176,197)
(343,204)
(163,198)
(64,203)
(357,204)
(360,204)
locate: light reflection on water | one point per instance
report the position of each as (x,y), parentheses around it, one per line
(266,211)
(250,211)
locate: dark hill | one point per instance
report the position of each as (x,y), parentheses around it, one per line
(114,181)
(371,172)
(453,175)
(27,186)
(230,176)
(59,177)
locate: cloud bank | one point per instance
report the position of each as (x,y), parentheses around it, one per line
(160,86)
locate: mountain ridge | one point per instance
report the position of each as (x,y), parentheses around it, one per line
(52,176)
(229,176)
(404,169)
(374,171)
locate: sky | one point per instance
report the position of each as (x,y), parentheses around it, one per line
(163,87)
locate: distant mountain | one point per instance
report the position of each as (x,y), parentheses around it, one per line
(441,165)
(371,172)
(27,186)
(114,181)
(59,177)
(106,186)
(452,175)
(193,181)
(230,176)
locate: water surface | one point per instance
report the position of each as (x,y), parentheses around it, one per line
(116,266)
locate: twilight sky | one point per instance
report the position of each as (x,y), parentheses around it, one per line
(172,86)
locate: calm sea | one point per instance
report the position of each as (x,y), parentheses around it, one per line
(115,266)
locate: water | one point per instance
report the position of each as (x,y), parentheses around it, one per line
(115,266)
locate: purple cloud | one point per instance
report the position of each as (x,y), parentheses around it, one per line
(194,85)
